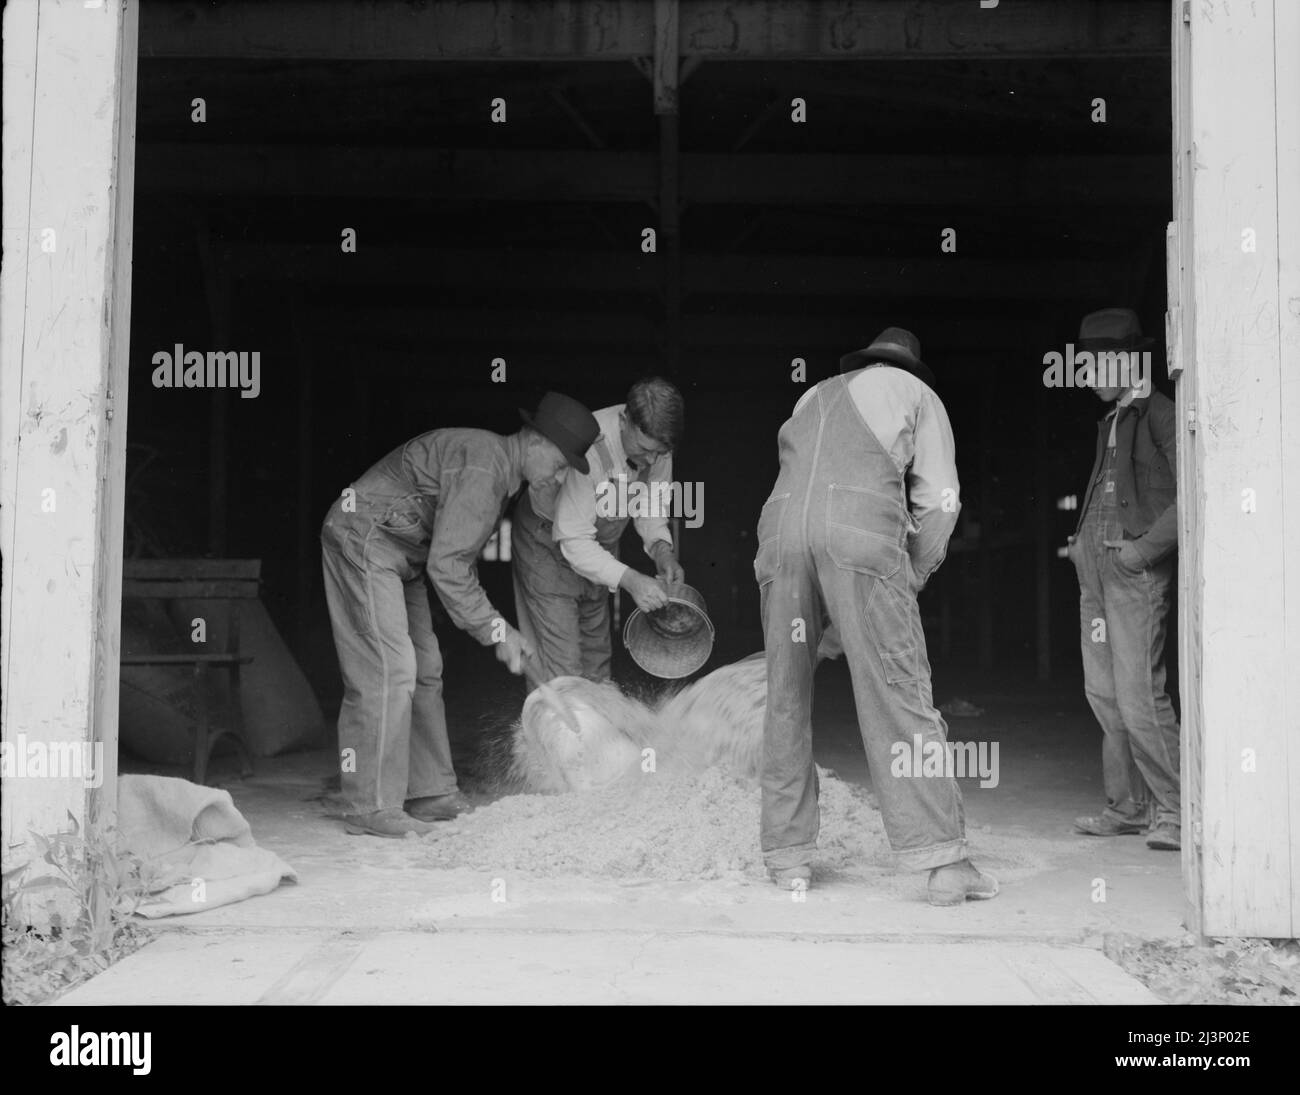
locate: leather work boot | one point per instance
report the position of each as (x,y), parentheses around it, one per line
(1165,837)
(391,822)
(793,878)
(1104,826)
(438,807)
(953,883)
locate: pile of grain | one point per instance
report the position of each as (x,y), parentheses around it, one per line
(696,816)
(671,827)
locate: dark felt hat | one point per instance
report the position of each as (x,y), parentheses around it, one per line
(894,346)
(567,424)
(1112,329)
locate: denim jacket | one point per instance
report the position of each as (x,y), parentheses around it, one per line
(1146,484)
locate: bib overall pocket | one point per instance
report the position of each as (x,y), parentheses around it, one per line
(864,530)
(890,615)
(768,560)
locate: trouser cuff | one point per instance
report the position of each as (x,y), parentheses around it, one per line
(433,791)
(936,855)
(797,855)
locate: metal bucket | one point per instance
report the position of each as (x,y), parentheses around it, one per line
(672,642)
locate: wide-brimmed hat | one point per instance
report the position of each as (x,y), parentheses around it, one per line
(567,424)
(895,346)
(1112,329)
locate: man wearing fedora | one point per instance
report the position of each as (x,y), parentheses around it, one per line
(859,518)
(565,556)
(1124,549)
(427,508)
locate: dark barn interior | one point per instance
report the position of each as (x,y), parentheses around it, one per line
(776,239)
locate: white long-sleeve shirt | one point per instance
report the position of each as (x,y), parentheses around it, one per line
(584,531)
(911,424)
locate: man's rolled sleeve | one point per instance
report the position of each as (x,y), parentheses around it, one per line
(574,530)
(469,503)
(933,490)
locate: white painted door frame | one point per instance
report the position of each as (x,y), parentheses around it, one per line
(65,309)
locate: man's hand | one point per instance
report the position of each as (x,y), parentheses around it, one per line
(830,645)
(1073,549)
(512,650)
(1129,557)
(670,570)
(648,594)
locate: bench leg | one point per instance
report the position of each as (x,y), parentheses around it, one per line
(237,723)
(202,739)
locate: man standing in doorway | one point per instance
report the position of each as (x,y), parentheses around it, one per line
(427,507)
(564,558)
(1124,549)
(860,517)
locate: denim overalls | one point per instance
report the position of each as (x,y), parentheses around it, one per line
(1122,617)
(832,545)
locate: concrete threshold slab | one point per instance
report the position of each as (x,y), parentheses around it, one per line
(508,967)
(1052,906)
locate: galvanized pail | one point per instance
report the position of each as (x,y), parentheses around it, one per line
(672,642)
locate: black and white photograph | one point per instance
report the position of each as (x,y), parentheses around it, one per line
(764,503)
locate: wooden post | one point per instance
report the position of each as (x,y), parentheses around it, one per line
(216,288)
(1237,80)
(1044,550)
(985,546)
(65,303)
(665,74)
(1178,338)
(308,553)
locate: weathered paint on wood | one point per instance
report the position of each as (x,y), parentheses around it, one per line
(1245,353)
(1179,340)
(69,87)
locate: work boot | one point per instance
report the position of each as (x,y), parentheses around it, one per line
(438,807)
(793,878)
(953,883)
(1106,826)
(391,822)
(1165,837)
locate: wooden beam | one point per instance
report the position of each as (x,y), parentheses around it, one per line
(216,291)
(308,521)
(1179,338)
(560,99)
(1045,560)
(584,175)
(666,65)
(623,30)
(667,56)
(988,443)
(1244,592)
(947,277)
(69,97)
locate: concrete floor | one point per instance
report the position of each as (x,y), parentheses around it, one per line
(367,922)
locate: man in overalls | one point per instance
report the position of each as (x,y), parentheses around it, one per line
(1124,549)
(427,507)
(860,517)
(565,559)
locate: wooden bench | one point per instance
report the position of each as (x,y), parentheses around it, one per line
(225,582)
